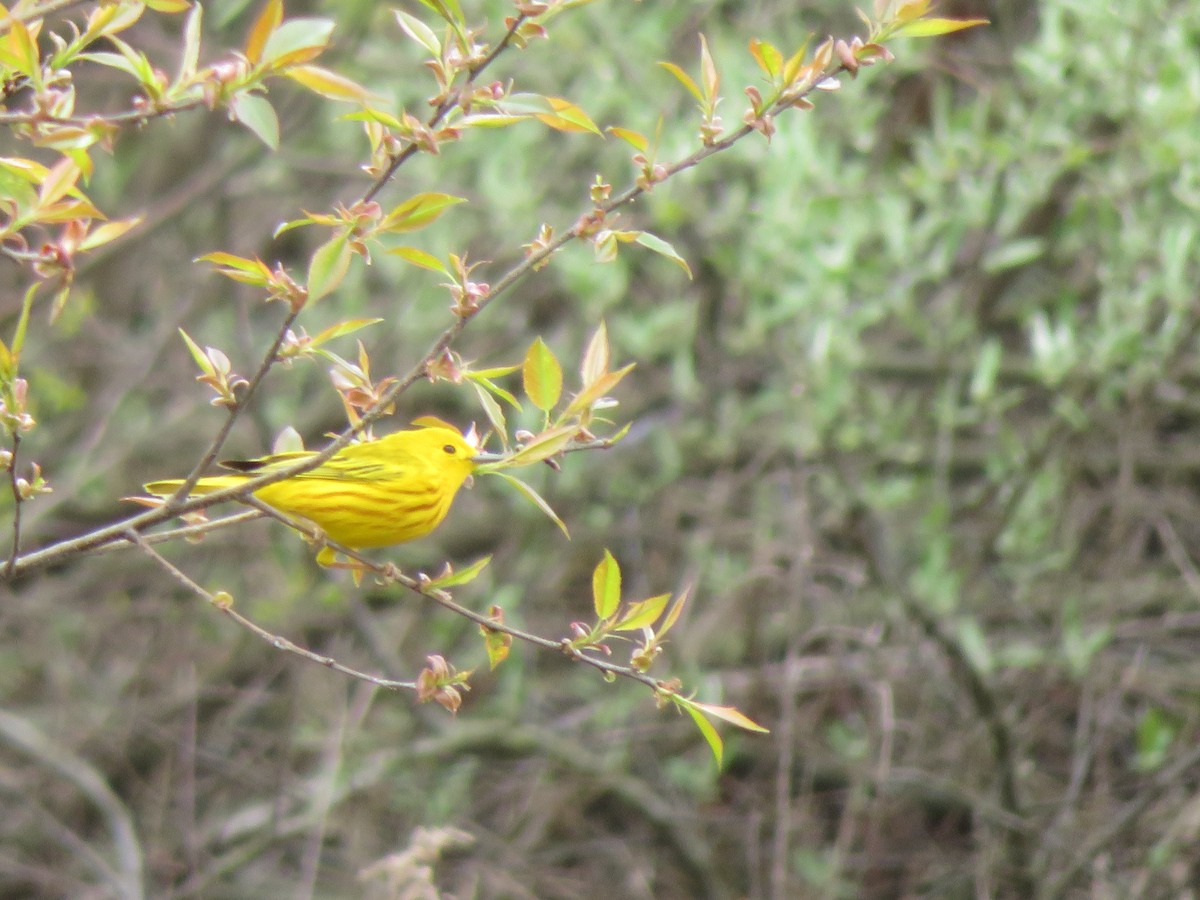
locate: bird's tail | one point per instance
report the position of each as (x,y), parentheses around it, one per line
(203,486)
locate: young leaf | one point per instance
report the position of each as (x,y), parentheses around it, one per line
(491,409)
(934,27)
(257,114)
(643,614)
(708,73)
(417,212)
(731,715)
(495,642)
(462,576)
(328,267)
(543,446)
(328,84)
(419,32)
(266,23)
(769,59)
(632,138)
(685,79)
(198,355)
(606,586)
(535,498)
(587,398)
(341,329)
(420,259)
(543,376)
(595,358)
(673,613)
(658,245)
(710,734)
(297,41)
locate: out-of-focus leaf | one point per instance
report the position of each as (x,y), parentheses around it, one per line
(606,586)
(594,391)
(706,728)
(643,614)
(685,79)
(108,232)
(543,376)
(327,83)
(417,212)
(462,576)
(328,267)
(420,258)
(632,138)
(596,357)
(297,41)
(419,32)
(935,26)
(536,499)
(268,20)
(257,114)
(658,245)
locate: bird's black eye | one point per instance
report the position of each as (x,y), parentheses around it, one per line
(449,448)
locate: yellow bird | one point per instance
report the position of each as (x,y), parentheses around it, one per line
(371,494)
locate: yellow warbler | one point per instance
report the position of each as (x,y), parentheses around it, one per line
(394,489)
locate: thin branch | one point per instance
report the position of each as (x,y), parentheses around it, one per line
(279,642)
(188,531)
(389,573)
(126,117)
(10,569)
(443,109)
(218,442)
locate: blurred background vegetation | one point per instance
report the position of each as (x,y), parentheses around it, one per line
(921,433)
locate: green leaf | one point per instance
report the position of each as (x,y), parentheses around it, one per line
(198,355)
(596,357)
(341,329)
(327,83)
(731,715)
(108,232)
(417,212)
(685,79)
(462,576)
(935,26)
(420,258)
(642,614)
(708,73)
(297,41)
(491,409)
(673,613)
(599,388)
(268,20)
(18,342)
(769,59)
(257,115)
(706,728)
(419,32)
(543,446)
(535,498)
(543,376)
(496,643)
(606,586)
(328,267)
(191,45)
(632,138)
(658,245)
